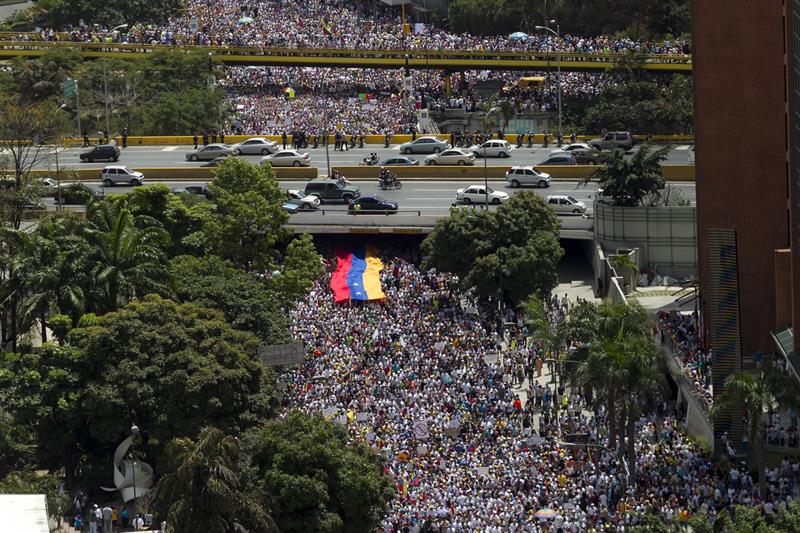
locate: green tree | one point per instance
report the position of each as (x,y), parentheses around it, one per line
(629,181)
(244,299)
(300,266)
(204,488)
(16,448)
(248,221)
(511,252)
(756,394)
(314,481)
(30,482)
(127,258)
(108,13)
(171,368)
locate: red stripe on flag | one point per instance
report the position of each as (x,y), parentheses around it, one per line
(341,291)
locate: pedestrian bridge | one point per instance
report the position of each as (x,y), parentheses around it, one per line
(451,60)
(410,222)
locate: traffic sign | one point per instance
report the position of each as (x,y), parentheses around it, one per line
(70,88)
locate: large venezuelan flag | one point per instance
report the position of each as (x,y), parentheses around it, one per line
(357,276)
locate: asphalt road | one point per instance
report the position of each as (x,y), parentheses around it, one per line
(430,197)
(174,156)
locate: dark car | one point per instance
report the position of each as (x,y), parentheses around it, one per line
(197,190)
(108,152)
(330,190)
(563,159)
(371,204)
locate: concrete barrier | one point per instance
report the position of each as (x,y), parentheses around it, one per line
(187,140)
(177,174)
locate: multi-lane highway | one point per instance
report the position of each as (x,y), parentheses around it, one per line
(432,197)
(174,156)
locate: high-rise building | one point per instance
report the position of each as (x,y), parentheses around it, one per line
(744,176)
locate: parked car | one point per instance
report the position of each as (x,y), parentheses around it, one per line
(453,156)
(566,205)
(522,176)
(613,140)
(424,145)
(398,162)
(559,159)
(107,152)
(255,146)
(478,194)
(288,158)
(329,190)
(372,204)
(209,152)
(116,175)
(197,190)
(493,148)
(305,201)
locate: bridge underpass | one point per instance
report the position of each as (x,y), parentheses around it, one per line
(451,60)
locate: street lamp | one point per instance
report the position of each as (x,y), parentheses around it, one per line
(485,162)
(134,432)
(557,33)
(120,27)
(58,170)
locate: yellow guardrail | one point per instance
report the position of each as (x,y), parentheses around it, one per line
(187,140)
(178,173)
(365,57)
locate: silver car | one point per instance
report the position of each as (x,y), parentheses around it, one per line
(563,204)
(114,175)
(209,152)
(288,158)
(424,145)
(255,146)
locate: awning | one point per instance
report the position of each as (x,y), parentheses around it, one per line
(784,342)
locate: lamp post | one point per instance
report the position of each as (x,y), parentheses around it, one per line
(134,432)
(58,170)
(485,162)
(557,33)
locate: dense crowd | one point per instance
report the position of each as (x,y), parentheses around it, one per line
(472,434)
(364,24)
(680,332)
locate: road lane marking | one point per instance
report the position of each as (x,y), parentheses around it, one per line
(169,148)
(683,147)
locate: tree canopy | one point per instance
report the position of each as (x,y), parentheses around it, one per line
(312,480)
(107,13)
(628,182)
(511,252)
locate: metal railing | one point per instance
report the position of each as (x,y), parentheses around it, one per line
(384,212)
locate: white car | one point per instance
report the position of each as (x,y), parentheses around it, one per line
(565,205)
(123,175)
(454,156)
(303,200)
(571,147)
(255,146)
(522,176)
(288,158)
(493,148)
(478,194)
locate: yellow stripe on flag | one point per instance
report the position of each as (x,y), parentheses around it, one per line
(372,276)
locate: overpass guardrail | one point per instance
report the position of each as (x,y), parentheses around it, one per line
(683,173)
(375,58)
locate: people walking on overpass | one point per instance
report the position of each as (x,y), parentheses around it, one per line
(205,138)
(214,135)
(194,140)
(283,139)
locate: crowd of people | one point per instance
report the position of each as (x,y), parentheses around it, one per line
(474,436)
(680,332)
(361,24)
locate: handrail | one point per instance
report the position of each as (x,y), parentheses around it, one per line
(396,54)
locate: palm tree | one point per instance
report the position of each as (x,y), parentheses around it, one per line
(127,255)
(629,181)
(756,394)
(203,489)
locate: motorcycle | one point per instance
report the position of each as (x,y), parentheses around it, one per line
(389,182)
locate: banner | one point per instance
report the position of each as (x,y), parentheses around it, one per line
(357,276)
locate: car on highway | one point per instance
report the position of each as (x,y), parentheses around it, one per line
(492,148)
(613,140)
(305,201)
(452,156)
(288,158)
(424,145)
(107,152)
(215,162)
(118,175)
(582,152)
(478,194)
(398,162)
(522,176)
(559,159)
(255,146)
(196,190)
(371,204)
(563,204)
(330,190)
(209,152)
(50,186)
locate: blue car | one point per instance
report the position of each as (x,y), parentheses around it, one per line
(371,204)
